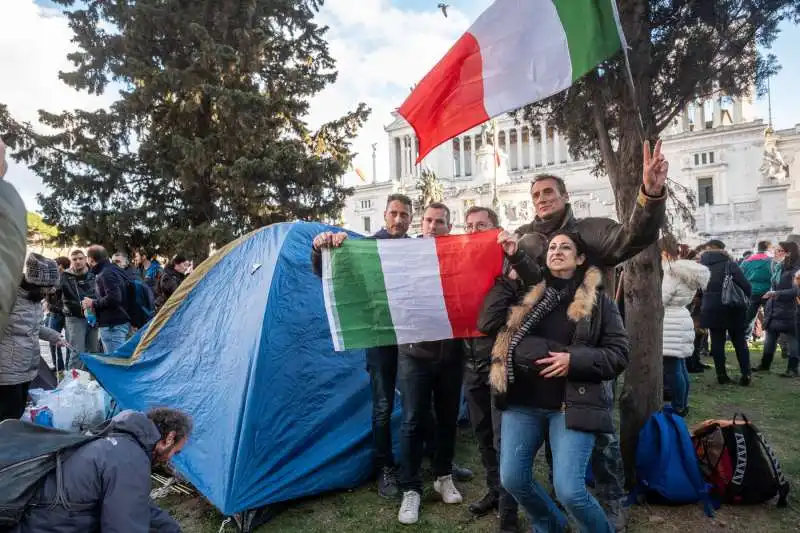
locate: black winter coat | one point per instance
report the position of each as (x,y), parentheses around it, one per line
(779,312)
(108,482)
(74,288)
(168,283)
(598,354)
(112,285)
(714,315)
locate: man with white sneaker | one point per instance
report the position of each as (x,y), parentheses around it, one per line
(429,372)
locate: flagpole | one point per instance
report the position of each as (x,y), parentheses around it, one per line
(625,48)
(494,166)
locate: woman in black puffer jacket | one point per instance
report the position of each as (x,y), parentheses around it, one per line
(554,356)
(779,313)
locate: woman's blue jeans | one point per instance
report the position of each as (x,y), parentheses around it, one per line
(523,433)
(677,378)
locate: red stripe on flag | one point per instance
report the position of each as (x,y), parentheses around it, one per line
(449,99)
(468,265)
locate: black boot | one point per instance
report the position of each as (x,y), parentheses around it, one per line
(387,483)
(486,504)
(462,474)
(744,381)
(724,379)
(509,519)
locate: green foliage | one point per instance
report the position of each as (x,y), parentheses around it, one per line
(207,140)
(37,227)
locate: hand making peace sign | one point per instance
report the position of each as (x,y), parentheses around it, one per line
(655,170)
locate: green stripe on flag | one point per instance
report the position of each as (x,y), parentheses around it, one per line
(591,31)
(361,303)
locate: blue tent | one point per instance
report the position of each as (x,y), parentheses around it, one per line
(244,347)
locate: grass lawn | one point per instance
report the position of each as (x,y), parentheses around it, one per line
(770,402)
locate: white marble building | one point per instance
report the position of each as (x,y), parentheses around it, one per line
(745,177)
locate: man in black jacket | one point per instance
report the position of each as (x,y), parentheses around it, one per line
(78,283)
(483,415)
(382,361)
(112,285)
(608,243)
(107,481)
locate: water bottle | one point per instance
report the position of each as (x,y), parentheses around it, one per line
(91,318)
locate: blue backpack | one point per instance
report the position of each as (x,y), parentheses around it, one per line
(667,469)
(140,303)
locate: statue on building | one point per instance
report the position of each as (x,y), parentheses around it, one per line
(774,168)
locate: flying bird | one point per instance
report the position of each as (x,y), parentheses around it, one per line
(443,7)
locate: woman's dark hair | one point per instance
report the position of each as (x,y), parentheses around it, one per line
(792,259)
(580,245)
(63,262)
(35,292)
(177,260)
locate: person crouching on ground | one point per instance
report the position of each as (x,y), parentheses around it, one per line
(19,347)
(107,482)
(555,354)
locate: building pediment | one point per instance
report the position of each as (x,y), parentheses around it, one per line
(397,123)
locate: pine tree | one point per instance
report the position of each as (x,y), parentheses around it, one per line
(207,139)
(679,50)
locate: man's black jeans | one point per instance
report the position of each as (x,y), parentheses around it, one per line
(382,368)
(422,381)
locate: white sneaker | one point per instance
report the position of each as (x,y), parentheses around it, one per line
(444,486)
(409,509)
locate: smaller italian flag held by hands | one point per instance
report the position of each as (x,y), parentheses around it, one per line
(516,53)
(382,292)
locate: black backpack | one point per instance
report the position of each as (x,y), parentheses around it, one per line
(28,454)
(737,461)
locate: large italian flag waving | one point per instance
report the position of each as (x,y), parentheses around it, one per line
(399,291)
(516,53)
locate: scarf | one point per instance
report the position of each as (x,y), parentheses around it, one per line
(550,300)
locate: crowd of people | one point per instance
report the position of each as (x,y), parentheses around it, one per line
(103,485)
(544,373)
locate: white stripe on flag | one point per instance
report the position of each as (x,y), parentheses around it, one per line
(330,301)
(416,299)
(516,36)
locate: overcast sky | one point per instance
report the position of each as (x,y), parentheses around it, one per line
(382,47)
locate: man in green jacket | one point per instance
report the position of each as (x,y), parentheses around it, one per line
(758,270)
(13,229)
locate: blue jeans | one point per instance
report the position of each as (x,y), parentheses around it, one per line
(55,322)
(677,377)
(523,432)
(114,336)
(82,338)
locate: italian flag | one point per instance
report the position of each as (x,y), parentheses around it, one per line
(516,53)
(382,292)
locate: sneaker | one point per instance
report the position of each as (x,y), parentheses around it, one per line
(409,509)
(445,487)
(486,504)
(387,483)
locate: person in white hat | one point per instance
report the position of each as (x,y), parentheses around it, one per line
(19,347)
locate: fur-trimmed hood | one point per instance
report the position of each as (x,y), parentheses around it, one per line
(690,273)
(580,308)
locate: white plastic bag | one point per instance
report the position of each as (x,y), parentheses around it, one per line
(75,406)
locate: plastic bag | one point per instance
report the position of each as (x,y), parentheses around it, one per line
(75,406)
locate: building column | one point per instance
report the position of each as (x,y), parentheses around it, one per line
(737,110)
(556,148)
(532,147)
(391,159)
(699,115)
(520,162)
(685,120)
(717,120)
(543,128)
(473,139)
(405,158)
(461,157)
(566,149)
